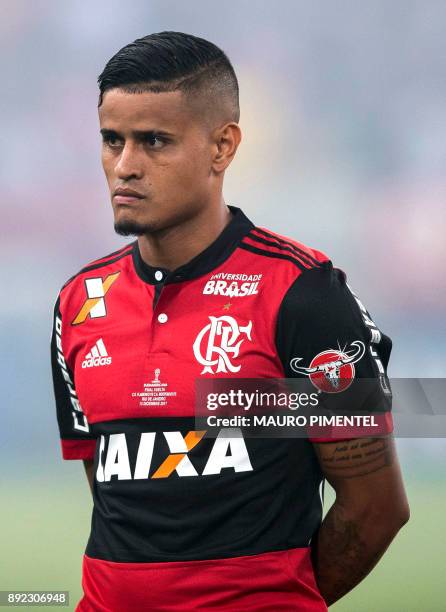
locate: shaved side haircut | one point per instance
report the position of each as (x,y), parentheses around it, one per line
(174,61)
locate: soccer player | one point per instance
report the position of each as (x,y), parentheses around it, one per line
(183,520)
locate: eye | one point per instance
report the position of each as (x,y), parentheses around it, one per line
(112,140)
(154,141)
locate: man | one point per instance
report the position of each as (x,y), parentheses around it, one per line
(183,520)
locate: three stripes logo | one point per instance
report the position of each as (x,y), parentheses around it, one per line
(97,356)
(94,305)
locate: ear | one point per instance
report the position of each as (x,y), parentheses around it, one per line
(226,141)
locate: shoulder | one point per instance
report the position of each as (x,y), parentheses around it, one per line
(318,289)
(101,264)
(310,279)
(284,250)
(301,274)
(276,244)
(98,273)
(321,301)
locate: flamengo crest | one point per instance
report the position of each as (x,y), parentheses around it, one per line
(219,342)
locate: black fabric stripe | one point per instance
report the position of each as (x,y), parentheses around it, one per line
(117,252)
(252,249)
(99,265)
(104,263)
(293,246)
(285,247)
(107,553)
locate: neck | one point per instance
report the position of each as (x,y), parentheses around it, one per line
(179,244)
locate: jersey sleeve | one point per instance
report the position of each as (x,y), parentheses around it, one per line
(77,442)
(325,334)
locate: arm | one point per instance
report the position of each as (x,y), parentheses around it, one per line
(369,510)
(77,442)
(88,465)
(320,313)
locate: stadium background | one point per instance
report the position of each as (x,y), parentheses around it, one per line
(344,120)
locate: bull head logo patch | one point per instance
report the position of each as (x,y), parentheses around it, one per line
(333,370)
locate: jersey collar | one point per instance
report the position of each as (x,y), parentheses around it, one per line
(209,259)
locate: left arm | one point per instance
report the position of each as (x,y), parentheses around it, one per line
(370,508)
(319,313)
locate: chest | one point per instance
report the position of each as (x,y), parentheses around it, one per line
(144,357)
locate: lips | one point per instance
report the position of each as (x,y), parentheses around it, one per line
(126,196)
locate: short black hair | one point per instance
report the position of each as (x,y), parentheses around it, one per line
(171,61)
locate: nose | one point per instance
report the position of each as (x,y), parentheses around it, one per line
(129,164)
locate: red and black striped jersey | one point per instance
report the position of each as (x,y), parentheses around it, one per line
(182,520)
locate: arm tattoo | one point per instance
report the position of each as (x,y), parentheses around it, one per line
(357,457)
(352,537)
(344,559)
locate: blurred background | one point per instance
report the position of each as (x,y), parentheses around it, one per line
(344,120)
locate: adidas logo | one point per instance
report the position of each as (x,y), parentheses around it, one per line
(97,356)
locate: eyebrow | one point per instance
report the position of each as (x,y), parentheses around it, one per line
(137,134)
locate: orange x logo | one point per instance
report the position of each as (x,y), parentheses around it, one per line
(171,462)
(94,305)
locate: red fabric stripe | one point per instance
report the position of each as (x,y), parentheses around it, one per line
(281,581)
(78,449)
(338,434)
(272,249)
(128,247)
(304,250)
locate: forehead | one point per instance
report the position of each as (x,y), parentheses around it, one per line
(148,110)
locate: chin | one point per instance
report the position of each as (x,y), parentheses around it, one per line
(129,228)
(128,224)
(125,225)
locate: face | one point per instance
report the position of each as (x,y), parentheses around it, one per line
(157,157)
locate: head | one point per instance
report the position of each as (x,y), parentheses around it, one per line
(168,114)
